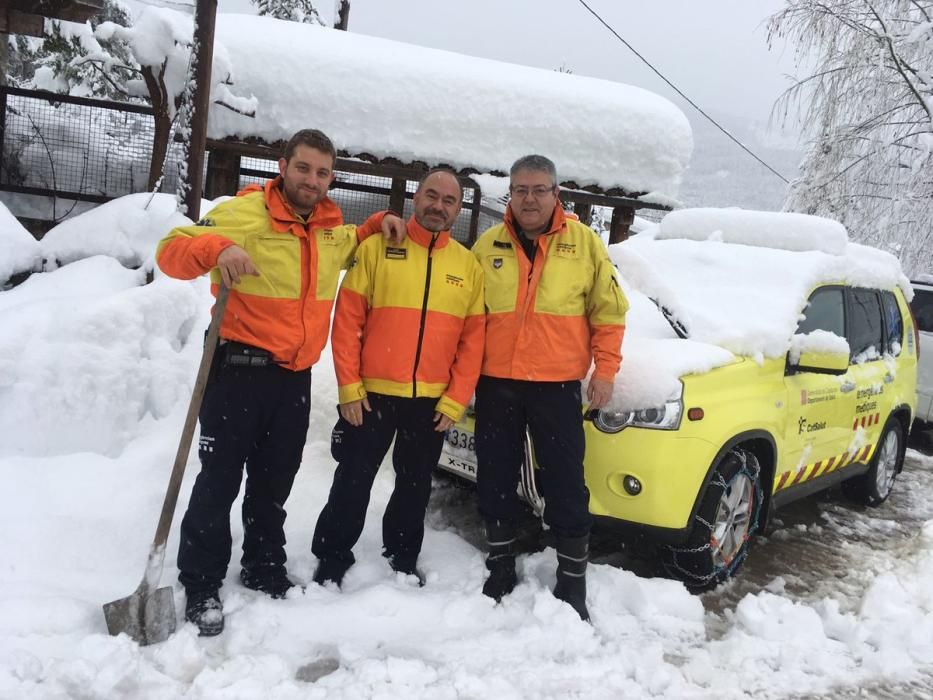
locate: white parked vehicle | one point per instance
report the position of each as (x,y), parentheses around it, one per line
(922,307)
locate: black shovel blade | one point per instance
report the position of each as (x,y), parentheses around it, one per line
(146,617)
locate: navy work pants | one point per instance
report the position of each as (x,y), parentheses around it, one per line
(359,450)
(252,416)
(553,414)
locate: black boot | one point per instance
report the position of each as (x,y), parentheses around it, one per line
(204,609)
(500,540)
(271,580)
(572,555)
(332,570)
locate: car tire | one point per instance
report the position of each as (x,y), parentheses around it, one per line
(721,531)
(874,486)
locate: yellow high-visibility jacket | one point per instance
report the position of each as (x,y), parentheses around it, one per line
(286,309)
(548,321)
(410,321)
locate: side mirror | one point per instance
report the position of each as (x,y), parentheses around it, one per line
(820,351)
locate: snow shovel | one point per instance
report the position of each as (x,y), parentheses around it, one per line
(148,615)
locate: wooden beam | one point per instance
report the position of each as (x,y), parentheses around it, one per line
(16,22)
(223,174)
(205,17)
(622,220)
(397,196)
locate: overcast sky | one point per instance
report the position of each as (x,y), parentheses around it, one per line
(714,50)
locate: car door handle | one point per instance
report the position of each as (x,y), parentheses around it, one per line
(888,378)
(846,387)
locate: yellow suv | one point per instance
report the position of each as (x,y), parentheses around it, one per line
(766,358)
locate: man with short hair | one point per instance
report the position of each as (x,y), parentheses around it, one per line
(553,307)
(407,343)
(280,249)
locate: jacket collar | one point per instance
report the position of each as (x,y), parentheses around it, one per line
(326,213)
(420,235)
(558,221)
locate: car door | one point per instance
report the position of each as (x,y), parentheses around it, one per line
(818,404)
(922,307)
(869,369)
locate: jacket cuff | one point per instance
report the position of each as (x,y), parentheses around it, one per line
(351,392)
(450,408)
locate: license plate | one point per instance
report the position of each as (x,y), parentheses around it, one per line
(459,454)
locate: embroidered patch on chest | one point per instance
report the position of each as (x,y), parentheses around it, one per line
(396,253)
(454,280)
(501,244)
(497,263)
(568,250)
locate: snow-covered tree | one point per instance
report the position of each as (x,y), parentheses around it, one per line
(867,109)
(291,10)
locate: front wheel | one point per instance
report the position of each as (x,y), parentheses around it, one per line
(722,528)
(874,486)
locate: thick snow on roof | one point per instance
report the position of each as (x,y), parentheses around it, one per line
(766,229)
(388,98)
(747,298)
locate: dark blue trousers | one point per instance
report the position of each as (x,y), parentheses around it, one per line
(255,417)
(553,413)
(359,450)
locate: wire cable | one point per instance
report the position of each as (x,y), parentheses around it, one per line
(679,92)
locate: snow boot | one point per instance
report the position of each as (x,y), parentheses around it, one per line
(204,609)
(500,560)
(271,580)
(401,565)
(572,555)
(331,571)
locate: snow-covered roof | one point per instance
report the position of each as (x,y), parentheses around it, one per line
(387,98)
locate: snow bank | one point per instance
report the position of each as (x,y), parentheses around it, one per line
(19,251)
(387,98)
(127,229)
(785,231)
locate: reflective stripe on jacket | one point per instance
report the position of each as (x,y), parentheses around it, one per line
(410,321)
(286,309)
(548,321)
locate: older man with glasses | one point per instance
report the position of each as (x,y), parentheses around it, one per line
(553,308)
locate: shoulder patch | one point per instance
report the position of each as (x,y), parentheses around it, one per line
(206,221)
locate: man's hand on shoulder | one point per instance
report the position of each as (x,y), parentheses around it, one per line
(393,228)
(234,262)
(599,392)
(352,412)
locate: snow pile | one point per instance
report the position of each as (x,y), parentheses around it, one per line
(785,231)
(818,341)
(388,98)
(127,229)
(745,298)
(19,251)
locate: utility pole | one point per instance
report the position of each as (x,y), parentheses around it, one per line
(341,14)
(202,57)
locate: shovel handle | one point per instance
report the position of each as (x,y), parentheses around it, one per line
(187,433)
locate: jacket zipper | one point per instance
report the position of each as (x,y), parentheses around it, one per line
(424,314)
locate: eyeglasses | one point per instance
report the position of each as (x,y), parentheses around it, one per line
(538,192)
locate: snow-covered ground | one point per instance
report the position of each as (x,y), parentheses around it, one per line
(95,370)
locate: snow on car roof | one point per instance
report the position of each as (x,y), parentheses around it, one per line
(747,298)
(388,98)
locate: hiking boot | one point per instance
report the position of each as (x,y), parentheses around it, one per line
(502,578)
(331,571)
(205,610)
(273,581)
(572,556)
(500,543)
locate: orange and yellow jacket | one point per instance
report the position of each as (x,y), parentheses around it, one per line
(286,309)
(549,319)
(410,321)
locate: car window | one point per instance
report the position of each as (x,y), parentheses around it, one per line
(893,324)
(865,328)
(824,312)
(922,306)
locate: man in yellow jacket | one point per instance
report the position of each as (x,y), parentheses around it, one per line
(280,248)
(554,307)
(408,344)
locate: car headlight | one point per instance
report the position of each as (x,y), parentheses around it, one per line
(666,417)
